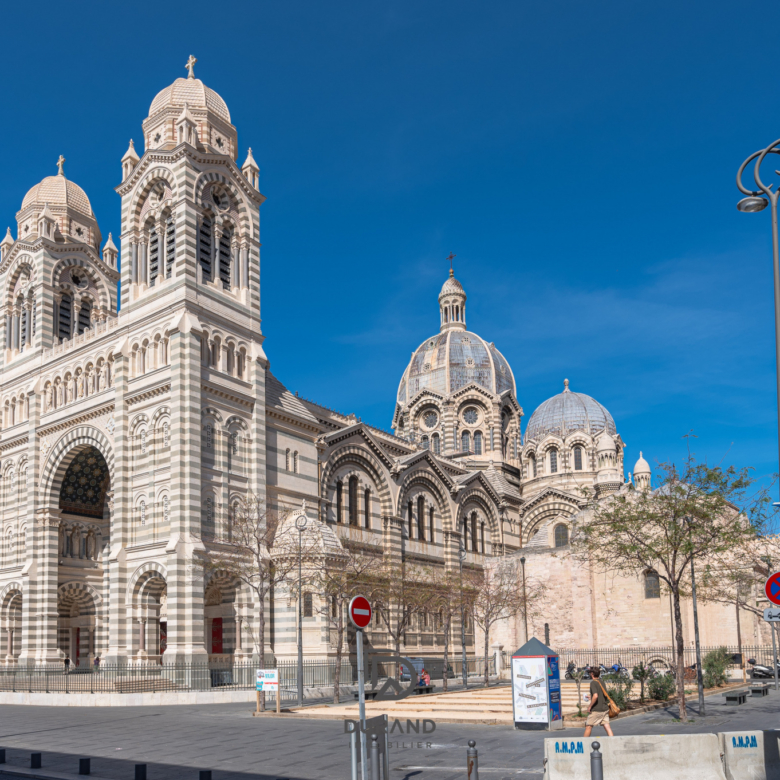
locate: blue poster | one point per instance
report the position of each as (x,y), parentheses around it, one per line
(554,686)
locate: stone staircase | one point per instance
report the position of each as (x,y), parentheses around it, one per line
(478,705)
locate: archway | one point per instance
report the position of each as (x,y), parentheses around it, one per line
(149,614)
(77,621)
(84,484)
(11,612)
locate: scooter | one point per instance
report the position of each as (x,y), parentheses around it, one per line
(761,672)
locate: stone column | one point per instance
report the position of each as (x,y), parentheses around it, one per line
(239,622)
(46,581)
(244,267)
(142,636)
(9,643)
(134,262)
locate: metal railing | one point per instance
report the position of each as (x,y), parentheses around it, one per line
(659,657)
(154,677)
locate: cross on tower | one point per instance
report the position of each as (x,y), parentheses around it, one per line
(450,257)
(60,163)
(191,67)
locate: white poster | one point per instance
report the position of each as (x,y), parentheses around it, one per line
(529,689)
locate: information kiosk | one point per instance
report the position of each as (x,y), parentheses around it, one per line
(536,687)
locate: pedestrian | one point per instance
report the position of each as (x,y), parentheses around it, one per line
(97,663)
(598,710)
(67,663)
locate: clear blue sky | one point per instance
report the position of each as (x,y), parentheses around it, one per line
(579,158)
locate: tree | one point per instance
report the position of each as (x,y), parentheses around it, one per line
(244,554)
(445,602)
(643,673)
(497,595)
(697,511)
(339,580)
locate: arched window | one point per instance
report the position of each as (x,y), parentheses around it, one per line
(478,442)
(367,508)
(578,458)
(209,437)
(474,532)
(308,605)
(652,585)
(295,462)
(561,535)
(436,444)
(205,238)
(532,465)
(425,443)
(287,460)
(353,500)
(224,258)
(65,319)
(339,502)
(421,518)
(85,314)
(482,537)
(170,245)
(154,256)
(464,441)
(553,461)
(409,517)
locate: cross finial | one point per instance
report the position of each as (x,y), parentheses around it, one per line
(191,67)
(565,384)
(451,257)
(60,163)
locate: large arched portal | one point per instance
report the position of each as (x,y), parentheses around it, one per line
(84,486)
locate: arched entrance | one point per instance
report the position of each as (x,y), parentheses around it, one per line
(149,615)
(11,617)
(77,622)
(84,485)
(222,621)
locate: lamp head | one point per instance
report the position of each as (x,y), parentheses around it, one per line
(752,204)
(301,521)
(522,560)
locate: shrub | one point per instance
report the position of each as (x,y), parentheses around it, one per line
(642,673)
(661,687)
(715,664)
(619,688)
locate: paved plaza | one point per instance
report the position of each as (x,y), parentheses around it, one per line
(176,742)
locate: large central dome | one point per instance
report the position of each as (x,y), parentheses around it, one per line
(567,412)
(192,92)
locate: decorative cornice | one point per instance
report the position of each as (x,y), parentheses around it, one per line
(290,419)
(555,493)
(69,423)
(12,443)
(243,400)
(151,392)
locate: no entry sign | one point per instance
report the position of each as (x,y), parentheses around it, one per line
(360,611)
(772,588)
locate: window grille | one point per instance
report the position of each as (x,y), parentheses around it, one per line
(561,535)
(65,318)
(478,443)
(553,461)
(225,258)
(652,585)
(436,444)
(205,249)
(84,316)
(308,605)
(154,256)
(578,458)
(170,245)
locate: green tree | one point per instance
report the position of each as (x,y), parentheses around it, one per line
(696,511)
(642,673)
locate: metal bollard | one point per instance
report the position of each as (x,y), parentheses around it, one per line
(140,772)
(472,761)
(35,760)
(374,757)
(83,766)
(2,756)
(596,765)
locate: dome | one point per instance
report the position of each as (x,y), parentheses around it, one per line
(568,412)
(452,285)
(606,443)
(192,92)
(453,359)
(59,191)
(642,466)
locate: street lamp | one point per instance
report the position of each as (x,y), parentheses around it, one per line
(755,202)
(300,524)
(525,606)
(461,558)
(699,676)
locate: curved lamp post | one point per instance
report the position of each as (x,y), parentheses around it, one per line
(464,670)
(758,200)
(300,523)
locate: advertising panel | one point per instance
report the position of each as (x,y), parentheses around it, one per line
(529,689)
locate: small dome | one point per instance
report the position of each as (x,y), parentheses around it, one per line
(642,466)
(192,92)
(59,191)
(568,412)
(606,443)
(452,285)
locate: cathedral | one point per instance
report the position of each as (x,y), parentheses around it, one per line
(138,409)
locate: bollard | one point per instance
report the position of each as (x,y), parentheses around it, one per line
(83,766)
(472,761)
(596,765)
(374,757)
(2,756)
(205,774)
(35,760)
(140,772)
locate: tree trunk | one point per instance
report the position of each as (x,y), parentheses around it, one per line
(339,645)
(487,645)
(680,655)
(446,653)
(261,651)
(739,645)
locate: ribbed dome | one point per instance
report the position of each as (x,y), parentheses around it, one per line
(194,93)
(568,412)
(452,285)
(59,191)
(451,360)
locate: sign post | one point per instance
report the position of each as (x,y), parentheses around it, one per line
(268,680)
(360,615)
(772,590)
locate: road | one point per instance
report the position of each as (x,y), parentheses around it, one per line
(175,742)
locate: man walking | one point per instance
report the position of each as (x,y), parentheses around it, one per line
(598,710)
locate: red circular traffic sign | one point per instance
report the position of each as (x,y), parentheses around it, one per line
(772,588)
(360,611)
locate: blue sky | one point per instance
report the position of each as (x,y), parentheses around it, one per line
(579,158)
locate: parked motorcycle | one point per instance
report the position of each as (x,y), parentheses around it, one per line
(761,672)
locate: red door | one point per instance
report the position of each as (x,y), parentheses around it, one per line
(216,635)
(163,636)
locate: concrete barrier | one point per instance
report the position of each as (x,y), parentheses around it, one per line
(751,755)
(650,757)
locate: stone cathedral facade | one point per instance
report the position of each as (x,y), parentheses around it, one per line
(129,434)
